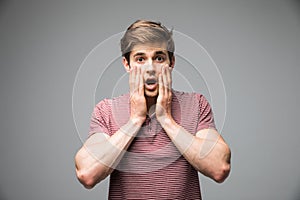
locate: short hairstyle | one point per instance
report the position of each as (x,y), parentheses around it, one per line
(142,32)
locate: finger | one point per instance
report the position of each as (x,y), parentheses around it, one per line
(167,84)
(141,82)
(137,80)
(132,79)
(165,81)
(169,80)
(160,86)
(169,77)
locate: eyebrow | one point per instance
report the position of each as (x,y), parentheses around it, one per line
(160,52)
(139,54)
(155,53)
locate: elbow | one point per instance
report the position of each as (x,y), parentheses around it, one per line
(222,173)
(88,174)
(86,179)
(89,178)
(217,165)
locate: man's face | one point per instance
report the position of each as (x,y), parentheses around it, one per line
(150,58)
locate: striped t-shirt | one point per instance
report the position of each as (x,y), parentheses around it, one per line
(152,167)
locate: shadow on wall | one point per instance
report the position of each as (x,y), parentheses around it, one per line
(296,195)
(3,4)
(296,5)
(2,195)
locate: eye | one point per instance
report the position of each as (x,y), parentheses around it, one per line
(139,59)
(160,58)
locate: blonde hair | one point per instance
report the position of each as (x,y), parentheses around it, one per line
(142,32)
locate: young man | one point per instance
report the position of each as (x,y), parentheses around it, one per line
(154,140)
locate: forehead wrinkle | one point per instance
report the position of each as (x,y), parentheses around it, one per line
(150,46)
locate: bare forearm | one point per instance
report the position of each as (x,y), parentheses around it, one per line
(206,151)
(111,150)
(99,156)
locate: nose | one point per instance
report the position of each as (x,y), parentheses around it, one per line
(150,68)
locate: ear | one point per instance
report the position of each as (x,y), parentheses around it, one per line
(173,61)
(126,64)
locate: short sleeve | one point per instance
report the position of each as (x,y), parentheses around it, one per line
(206,118)
(100,118)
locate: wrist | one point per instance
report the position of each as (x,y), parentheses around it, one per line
(131,128)
(166,121)
(137,121)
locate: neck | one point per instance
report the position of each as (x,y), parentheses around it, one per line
(151,102)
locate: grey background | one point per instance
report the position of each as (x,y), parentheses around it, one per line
(255,44)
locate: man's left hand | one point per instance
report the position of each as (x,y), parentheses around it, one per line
(164,99)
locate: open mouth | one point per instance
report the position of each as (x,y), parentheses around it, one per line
(151,84)
(151,81)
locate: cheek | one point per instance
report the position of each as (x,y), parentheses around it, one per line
(159,71)
(136,64)
(159,68)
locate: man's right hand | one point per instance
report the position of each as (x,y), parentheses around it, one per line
(138,105)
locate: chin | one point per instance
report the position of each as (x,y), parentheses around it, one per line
(151,93)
